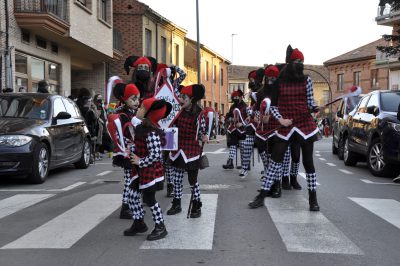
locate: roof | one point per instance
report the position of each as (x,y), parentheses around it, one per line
(314,71)
(207,49)
(365,52)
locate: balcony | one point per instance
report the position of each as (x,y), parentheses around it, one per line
(387,17)
(117,45)
(49,15)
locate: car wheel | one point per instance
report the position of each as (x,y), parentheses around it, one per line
(376,163)
(334,149)
(84,161)
(349,157)
(40,167)
(340,152)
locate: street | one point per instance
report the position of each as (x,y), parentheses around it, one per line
(73,219)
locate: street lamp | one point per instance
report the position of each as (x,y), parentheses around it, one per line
(198,44)
(233,34)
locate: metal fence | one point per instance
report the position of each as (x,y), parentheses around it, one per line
(57,8)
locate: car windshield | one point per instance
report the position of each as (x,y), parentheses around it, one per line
(352,102)
(24,106)
(390,101)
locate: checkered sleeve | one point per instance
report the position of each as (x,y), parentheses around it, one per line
(310,94)
(275,112)
(202,127)
(179,80)
(249,110)
(257,114)
(153,144)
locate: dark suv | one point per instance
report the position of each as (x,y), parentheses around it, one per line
(373,133)
(346,105)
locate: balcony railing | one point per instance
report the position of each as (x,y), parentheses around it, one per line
(56,8)
(117,40)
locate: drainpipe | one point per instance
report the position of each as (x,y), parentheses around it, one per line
(7,61)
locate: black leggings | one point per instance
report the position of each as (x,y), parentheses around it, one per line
(280,146)
(149,197)
(192,176)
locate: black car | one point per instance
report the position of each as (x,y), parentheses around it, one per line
(39,132)
(373,133)
(346,105)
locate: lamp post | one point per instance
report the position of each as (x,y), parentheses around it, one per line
(198,44)
(233,34)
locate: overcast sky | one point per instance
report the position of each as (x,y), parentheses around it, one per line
(321,29)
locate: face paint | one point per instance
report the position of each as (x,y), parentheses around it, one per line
(133,102)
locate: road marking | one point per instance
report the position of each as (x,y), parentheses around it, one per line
(387,209)
(104,163)
(303,175)
(77,184)
(317,154)
(104,173)
(378,183)
(66,229)
(185,233)
(322,159)
(18,202)
(305,231)
(331,164)
(345,171)
(219,151)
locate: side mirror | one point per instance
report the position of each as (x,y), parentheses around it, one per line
(339,114)
(63,115)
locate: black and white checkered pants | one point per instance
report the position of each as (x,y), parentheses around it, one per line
(169,174)
(232,152)
(265,159)
(177,174)
(311,181)
(286,163)
(294,168)
(196,191)
(135,204)
(127,182)
(274,173)
(247,148)
(157,214)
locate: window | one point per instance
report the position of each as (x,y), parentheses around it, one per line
(221,77)
(177,54)
(374,78)
(206,72)
(37,69)
(209,103)
(390,101)
(163,50)
(373,101)
(216,107)
(326,97)
(69,105)
(41,43)
(58,107)
(21,64)
(25,36)
(103,9)
(148,42)
(54,70)
(356,78)
(363,103)
(222,108)
(205,104)
(340,82)
(214,74)
(54,48)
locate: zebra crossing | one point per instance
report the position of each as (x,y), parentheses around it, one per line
(300,230)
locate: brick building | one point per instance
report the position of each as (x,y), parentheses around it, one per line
(67,42)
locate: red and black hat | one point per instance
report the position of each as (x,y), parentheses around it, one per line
(271,71)
(237,93)
(156,109)
(252,74)
(134,61)
(195,91)
(293,54)
(123,91)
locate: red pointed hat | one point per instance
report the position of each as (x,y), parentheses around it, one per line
(271,72)
(156,109)
(123,91)
(237,93)
(195,91)
(296,55)
(142,61)
(252,74)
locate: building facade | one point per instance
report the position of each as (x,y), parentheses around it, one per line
(213,74)
(68,42)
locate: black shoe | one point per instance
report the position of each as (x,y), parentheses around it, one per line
(175,208)
(312,200)
(228,165)
(276,191)
(258,201)
(125,212)
(138,226)
(285,183)
(170,190)
(195,212)
(294,183)
(158,232)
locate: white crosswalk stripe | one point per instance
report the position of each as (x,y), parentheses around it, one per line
(21,201)
(305,231)
(66,229)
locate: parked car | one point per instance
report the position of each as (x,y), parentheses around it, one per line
(373,133)
(39,132)
(339,126)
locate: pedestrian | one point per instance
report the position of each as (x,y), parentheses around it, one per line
(192,129)
(236,127)
(43,86)
(294,103)
(22,89)
(148,158)
(142,75)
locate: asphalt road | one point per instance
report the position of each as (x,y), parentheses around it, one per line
(72,219)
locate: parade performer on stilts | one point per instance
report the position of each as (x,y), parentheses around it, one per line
(121,131)
(192,130)
(148,159)
(236,132)
(295,102)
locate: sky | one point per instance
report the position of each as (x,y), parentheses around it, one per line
(321,29)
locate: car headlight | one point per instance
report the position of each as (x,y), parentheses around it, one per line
(394,126)
(14,140)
